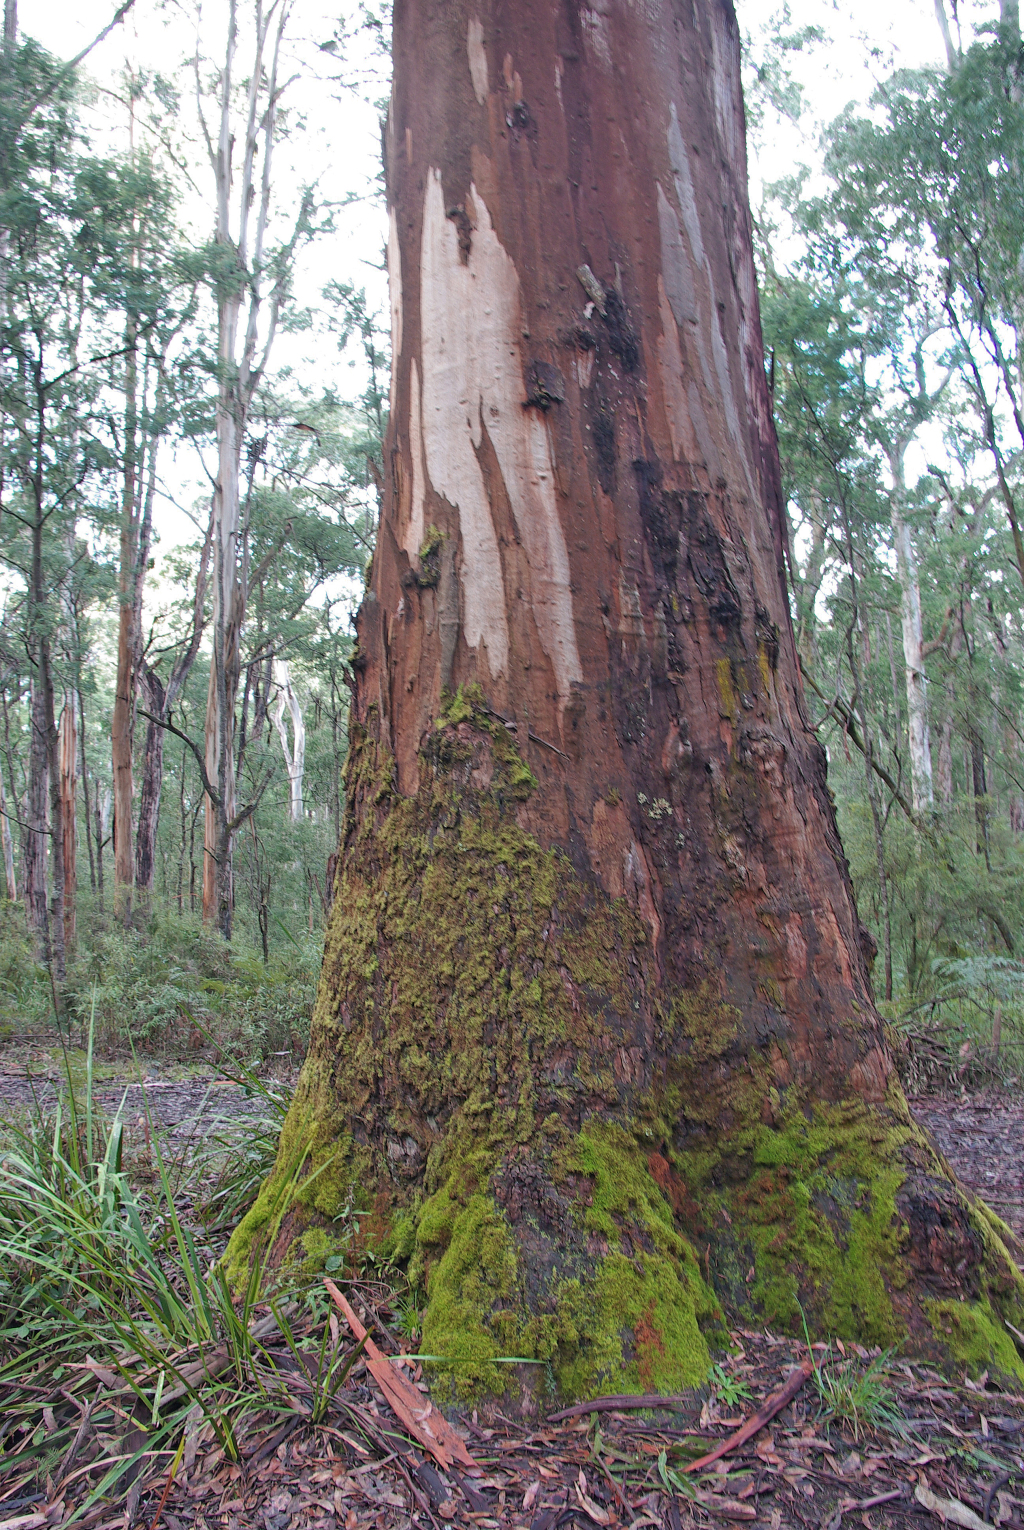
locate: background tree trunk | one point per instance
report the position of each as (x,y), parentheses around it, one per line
(37,825)
(122,726)
(242,363)
(67,749)
(152,784)
(6,840)
(295,752)
(913,641)
(595,1046)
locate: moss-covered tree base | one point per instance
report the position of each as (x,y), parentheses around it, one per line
(577,1166)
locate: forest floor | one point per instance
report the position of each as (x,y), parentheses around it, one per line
(867,1440)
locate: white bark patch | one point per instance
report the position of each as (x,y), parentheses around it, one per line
(670,365)
(477,58)
(687,198)
(412,541)
(725,85)
(595,28)
(395,293)
(559,68)
(693,303)
(473,379)
(584,364)
(681,290)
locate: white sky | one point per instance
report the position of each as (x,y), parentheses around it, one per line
(342,144)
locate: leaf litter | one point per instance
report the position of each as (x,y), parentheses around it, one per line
(953,1453)
(332,1438)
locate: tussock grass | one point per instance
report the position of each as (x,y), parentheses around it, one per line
(121,1343)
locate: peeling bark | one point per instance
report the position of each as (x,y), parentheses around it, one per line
(595,1047)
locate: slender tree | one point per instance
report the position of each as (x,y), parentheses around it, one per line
(595,1048)
(251,278)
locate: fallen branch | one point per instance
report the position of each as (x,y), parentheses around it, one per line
(614,1403)
(415,1411)
(757,1421)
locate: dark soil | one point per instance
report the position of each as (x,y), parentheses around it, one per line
(982,1135)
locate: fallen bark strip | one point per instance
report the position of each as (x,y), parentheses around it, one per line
(623,1400)
(849,1504)
(415,1411)
(757,1421)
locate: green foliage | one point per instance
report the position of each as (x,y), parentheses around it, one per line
(893,329)
(861,1397)
(168,985)
(728,1389)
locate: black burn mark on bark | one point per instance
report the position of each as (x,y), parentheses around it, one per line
(460,218)
(622,338)
(602,429)
(944,1251)
(520,122)
(582,338)
(708,570)
(545,386)
(767,635)
(662,514)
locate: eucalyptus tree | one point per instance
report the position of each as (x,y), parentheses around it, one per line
(595,1050)
(252,284)
(937,161)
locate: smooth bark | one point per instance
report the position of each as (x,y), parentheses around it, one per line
(294,751)
(122,727)
(242,356)
(160,701)
(8,847)
(67,754)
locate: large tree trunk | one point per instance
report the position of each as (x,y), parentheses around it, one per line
(595,1048)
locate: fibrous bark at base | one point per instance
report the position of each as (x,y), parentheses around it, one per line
(574,1165)
(595,1053)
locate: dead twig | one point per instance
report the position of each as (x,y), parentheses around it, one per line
(613,1403)
(767,1411)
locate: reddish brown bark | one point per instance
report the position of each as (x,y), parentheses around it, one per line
(630,609)
(632,975)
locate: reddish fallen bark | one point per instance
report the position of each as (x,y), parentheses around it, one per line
(756,1421)
(414,1410)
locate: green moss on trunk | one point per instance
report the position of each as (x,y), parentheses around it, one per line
(577,1164)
